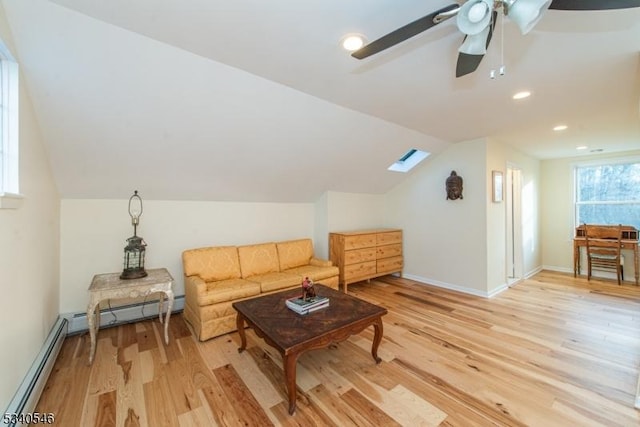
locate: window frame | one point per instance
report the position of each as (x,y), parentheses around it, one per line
(598,162)
(10,197)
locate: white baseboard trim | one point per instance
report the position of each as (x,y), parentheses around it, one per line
(28,394)
(557,268)
(530,274)
(449,286)
(498,290)
(121,314)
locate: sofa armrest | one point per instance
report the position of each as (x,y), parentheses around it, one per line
(194,289)
(320,262)
(195,283)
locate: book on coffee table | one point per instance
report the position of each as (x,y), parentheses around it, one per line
(308,310)
(302,306)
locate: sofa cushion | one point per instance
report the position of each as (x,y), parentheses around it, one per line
(275,281)
(315,273)
(228,290)
(258,259)
(294,253)
(214,263)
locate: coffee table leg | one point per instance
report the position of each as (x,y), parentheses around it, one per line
(290,361)
(377,338)
(243,337)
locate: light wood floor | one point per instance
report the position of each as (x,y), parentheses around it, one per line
(550,351)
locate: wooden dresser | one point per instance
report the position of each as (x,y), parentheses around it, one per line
(364,254)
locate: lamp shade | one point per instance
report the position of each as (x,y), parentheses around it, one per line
(475,44)
(527,13)
(474,16)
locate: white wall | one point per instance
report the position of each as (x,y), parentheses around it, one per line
(496,220)
(558,226)
(94,232)
(29,255)
(499,157)
(461,244)
(320,239)
(351,211)
(557,214)
(445,240)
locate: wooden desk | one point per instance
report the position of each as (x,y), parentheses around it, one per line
(111,286)
(580,241)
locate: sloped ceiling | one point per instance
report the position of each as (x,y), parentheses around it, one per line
(254,100)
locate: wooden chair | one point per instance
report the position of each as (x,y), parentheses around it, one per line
(603,248)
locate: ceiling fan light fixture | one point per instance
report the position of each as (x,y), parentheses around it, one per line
(526,13)
(477,12)
(474,16)
(475,44)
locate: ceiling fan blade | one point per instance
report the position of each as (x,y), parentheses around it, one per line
(593,4)
(467,64)
(403,33)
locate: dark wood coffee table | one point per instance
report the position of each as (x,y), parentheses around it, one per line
(293,334)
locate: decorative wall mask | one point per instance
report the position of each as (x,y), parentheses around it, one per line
(454,186)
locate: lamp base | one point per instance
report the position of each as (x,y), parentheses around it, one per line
(133,273)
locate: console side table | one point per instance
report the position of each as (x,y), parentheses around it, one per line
(111,286)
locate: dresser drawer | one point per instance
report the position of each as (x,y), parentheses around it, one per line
(390,265)
(388,251)
(364,269)
(388,238)
(359,255)
(359,241)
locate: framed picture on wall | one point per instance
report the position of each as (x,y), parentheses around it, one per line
(497,186)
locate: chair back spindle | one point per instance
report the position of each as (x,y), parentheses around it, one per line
(604,244)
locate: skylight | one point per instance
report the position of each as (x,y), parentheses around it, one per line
(408,160)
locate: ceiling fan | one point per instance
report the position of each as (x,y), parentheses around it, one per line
(476,20)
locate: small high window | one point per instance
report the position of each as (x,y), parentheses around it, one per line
(408,160)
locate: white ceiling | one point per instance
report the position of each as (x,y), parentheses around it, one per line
(255,100)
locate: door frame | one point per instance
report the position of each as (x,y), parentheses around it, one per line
(514,243)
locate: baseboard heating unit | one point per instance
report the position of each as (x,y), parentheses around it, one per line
(28,394)
(120,315)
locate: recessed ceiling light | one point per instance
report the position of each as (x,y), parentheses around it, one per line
(581,147)
(560,127)
(352,42)
(522,94)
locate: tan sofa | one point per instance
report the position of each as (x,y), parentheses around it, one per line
(217,276)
